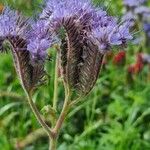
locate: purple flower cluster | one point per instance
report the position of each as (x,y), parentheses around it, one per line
(57,12)
(59,9)
(93,22)
(133,3)
(104,29)
(137,11)
(110,33)
(37,34)
(147,28)
(40,40)
(12,23)
(142,10)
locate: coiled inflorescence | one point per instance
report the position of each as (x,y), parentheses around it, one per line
(88,33)
(85,34)
(16,30)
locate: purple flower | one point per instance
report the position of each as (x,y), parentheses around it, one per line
(40,40)
(112,34)
(124,33)
(102,33)
(133,3)
(65,8)
(12,23)
(38,48)
(7,22)
(39,29)
(90,20)
(142,10)
(57,11)
(85,34)
(147,28)
(54,16)
(13,27)
(75,15)
(129,17)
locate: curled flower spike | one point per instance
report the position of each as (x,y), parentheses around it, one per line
(14,29)
(88,33)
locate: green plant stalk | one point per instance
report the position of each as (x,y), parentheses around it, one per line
(62,115)
(53,144)
(55,98)
(37,114)
(59,123)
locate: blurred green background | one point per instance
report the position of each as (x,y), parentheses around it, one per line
(115,116)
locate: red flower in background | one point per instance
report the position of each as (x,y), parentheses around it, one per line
(119,58)
(138,66)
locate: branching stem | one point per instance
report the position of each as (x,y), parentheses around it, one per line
(64,111)
(38,115)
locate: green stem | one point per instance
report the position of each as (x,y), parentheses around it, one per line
(62,115)
(55,98)
(76,101)
(37,115)
(53,144)
(64,111)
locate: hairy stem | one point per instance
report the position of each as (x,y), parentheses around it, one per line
(38,116)
(76,101)
(64,111)
(62,116)
(53,144)
(55,98)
